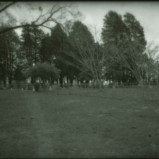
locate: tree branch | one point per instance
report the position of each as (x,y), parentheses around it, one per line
(7,6)
(37,23)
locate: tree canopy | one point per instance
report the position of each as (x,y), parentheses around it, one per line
(126,36)
(70,51)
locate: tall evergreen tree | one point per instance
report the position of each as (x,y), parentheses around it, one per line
(80,34)
(46,54)
(9,46)
(88,56)
(113,29)
(32,37)
(60,47)
(81,39)
(126,36)
(135,31)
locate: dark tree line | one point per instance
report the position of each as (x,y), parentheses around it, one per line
(74,54)
(126,37)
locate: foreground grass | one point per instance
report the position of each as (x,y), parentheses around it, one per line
(80,123)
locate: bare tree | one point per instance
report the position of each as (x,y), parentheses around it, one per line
(129,57)
(87,55)
(89,59)
(152,51)
(5,5)
(152,69)
(42,20)
(139,64)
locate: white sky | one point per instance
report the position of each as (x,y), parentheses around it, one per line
(146,12)
(93,13)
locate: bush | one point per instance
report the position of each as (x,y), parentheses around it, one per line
(44,71)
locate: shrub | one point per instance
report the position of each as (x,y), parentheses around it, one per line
(44,71)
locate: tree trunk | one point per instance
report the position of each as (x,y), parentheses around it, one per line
(61,81)
(98,83)
(141,82)
(4,82)
(10,80)
(71,81)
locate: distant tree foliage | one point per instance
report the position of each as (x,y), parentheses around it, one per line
(44,71)
(70,51)
(81,34)
(9,45)
(81,40)
(114,29)
(124,39)
(61,48)
(45,52)
(31,41)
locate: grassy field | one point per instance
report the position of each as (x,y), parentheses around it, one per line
(121,122)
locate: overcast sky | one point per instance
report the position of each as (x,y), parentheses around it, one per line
(146,12)
(93,13)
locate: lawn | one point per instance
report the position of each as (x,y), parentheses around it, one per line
(113,122)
